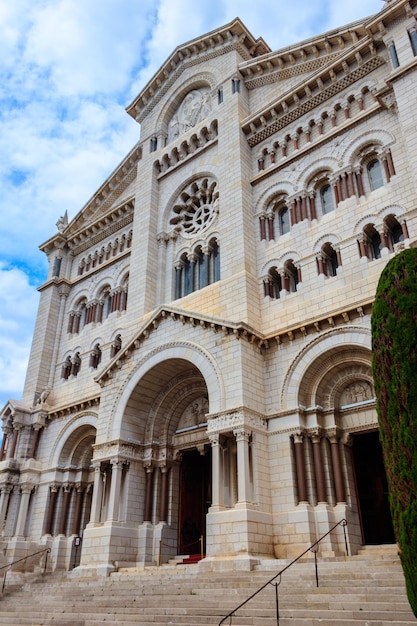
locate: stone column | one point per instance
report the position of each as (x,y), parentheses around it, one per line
(36,432)
(78,509)
(3,443)
(216,472)
(243,475)
(337,469)
(262,226)
(300,468)
(362,246)
(97,495)
(359,182)
(4,501)
(271,233)
(312,202)
(115,486)
(65,507)
(26,490)
(318,468)
(386,168)
(193,263)
(319,258)
(148,493)
(14,442)
(163,509)
(404,228)
(51,509)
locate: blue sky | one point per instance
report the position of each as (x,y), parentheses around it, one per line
(68,69)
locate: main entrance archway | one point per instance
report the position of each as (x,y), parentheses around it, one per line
(372,489)
(166,419)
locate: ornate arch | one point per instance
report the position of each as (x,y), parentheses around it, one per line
(70,435)
(186,351)
(310,365)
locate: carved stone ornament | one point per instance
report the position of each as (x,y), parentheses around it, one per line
(195,107)
(196,207)
(230,421)
(194,414)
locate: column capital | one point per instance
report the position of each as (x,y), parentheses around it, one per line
(316,435)
(298,436)
(27,488)
(214,439)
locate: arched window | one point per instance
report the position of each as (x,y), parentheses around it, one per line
(327,260)
(330,259)
(66,368)
(275,283)
(327,198)
(197,269)
(116,346)
(95,356)
(373,242)
(291,276)
(394,231)
(284,220)
(375,174)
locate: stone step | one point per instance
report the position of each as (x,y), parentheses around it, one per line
(352,592)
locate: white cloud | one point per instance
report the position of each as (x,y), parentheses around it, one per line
(18,304)
(68,69)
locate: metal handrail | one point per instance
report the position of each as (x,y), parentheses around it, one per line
(9,565)
(230,615)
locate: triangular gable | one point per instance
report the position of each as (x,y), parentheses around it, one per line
(234,35)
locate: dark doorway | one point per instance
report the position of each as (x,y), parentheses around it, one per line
(195,480)
(372,489)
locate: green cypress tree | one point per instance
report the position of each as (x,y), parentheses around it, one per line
(394,366)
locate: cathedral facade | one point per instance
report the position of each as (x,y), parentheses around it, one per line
(200,375)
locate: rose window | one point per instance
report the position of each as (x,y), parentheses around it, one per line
(196,207)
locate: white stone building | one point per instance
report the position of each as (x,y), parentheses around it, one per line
(201,363)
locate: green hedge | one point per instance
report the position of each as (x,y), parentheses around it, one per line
(394,365)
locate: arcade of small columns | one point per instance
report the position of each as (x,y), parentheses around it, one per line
(312,461)
(303,206)
(74,508)
(10,442)
(108,479)
(312,465)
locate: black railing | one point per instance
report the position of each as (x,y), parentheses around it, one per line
(313,548)
(10,565)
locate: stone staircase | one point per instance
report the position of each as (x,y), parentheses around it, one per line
(367,589)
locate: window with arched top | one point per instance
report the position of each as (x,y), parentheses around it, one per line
(373,243)
(327,199)
(284,223)
(95,356)
(275,283)
(292,276)
(116,346)
(394,231)
(375,174)
(328,260)
(197,269)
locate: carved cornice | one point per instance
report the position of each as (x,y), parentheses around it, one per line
(323,85)
(240,330)
(70,409)
(103,227)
